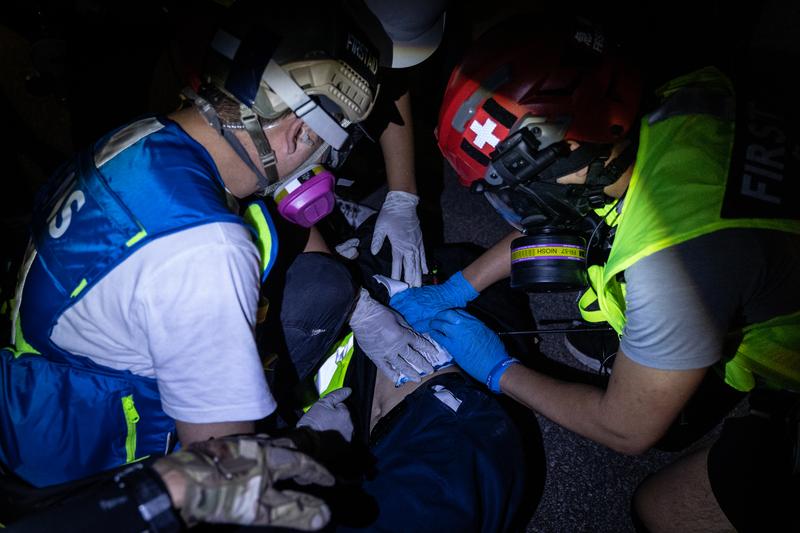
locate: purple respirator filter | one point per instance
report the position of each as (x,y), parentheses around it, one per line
(308,197)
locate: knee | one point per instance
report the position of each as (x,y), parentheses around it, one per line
(644,507)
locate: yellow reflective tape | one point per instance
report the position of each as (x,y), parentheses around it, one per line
(136,238)
(131,418)
(142,458)
(547,251)
(255,217)
(79,288)
(331,374)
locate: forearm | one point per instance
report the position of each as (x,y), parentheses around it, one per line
(397,144)
(575,406)
(493,265)
(189,432)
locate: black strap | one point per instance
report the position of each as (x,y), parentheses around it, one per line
(207,110)
(252,125)
(602,173)
(126,503)
(153,500)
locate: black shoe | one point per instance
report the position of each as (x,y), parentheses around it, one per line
(595,349)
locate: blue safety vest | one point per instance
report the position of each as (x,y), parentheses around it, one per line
(63,416)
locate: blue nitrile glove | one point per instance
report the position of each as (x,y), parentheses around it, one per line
(475,347)
(419,305)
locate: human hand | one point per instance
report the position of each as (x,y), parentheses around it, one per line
(232,480)
(475,347)
(330,413)
(419,305)
(398,222)
(387,339)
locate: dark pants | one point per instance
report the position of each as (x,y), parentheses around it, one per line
(450,458)
(308,311)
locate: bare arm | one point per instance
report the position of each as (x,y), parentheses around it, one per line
(630,416)
(397,144)
(493,265)
(189,433)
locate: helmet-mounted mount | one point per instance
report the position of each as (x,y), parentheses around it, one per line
(510,107)
(514,101)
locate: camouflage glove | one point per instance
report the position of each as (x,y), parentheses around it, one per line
(231,480)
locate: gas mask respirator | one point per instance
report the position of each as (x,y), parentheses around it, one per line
(306,196)
(557,219)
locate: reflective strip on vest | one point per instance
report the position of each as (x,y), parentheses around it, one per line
(333,371)
(259,219)
(778,337)
(131,419)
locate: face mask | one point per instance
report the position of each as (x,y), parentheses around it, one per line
(520,183)
(306,196)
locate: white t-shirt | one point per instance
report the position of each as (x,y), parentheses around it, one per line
(180,310)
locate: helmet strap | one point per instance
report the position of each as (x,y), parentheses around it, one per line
(266,155)
(601,175)
(283,85)
(314,158)
(574,160)
(266,177)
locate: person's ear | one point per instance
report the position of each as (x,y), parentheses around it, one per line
(294,133)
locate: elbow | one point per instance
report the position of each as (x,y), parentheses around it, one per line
(632,444)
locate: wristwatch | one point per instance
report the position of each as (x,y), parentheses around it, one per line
(152,499)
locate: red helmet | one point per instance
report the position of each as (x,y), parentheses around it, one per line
(561,84)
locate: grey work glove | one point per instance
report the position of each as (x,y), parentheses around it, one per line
(330,413)
(232,480)
(386,338)
(349,248)
(398,222)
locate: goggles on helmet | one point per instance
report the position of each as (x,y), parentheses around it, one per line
(325,73)
(317,66)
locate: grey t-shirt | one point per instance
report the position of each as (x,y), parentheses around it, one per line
(685,301)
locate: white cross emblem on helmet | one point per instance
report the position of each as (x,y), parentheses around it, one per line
(483,133)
